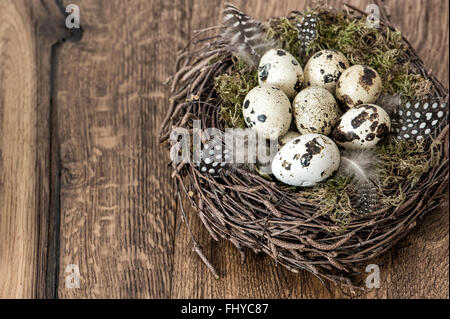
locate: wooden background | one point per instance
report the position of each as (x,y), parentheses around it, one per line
(83,180)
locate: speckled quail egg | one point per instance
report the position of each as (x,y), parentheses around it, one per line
(280,68)
(362,127)
(286,138)
(325,68)
(359,84)
(315,111)
(307,160)
(267,110)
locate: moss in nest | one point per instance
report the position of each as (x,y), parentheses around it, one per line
(232,89)
(382,49)
(333,196)
(361,44)
(263,175)
(405,161)
(284,31)
(395,199)
(412,86)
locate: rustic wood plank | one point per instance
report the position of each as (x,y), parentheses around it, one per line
(117,203)
(403,270)
(425,24)
(28,32)
(419,266)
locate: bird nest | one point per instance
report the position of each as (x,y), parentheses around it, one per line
(319,229)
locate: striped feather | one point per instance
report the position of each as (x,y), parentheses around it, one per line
(244,36)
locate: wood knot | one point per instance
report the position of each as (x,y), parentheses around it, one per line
(75,175)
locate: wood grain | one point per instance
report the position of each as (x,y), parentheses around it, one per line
(117,203)
(425,24)
(28,31)
(84,181)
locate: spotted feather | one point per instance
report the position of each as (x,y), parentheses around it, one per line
(307,30)
(213,157)
(419,120)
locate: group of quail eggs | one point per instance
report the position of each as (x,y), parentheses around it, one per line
(331,104)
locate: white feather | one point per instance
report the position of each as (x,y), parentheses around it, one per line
(228,17)
(361,165)
(390,103)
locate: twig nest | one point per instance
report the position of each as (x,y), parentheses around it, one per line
(362,127)
(267,110)
(286,138)
(281,69)
(306,160)
(315,111)
(325,68)
(331,236)
(359,84)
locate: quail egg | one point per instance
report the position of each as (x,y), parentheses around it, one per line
(325,68)
(286,138)
(359,84)
(315,111)
(267,110)
(307,160)
(362,127)
(281,69)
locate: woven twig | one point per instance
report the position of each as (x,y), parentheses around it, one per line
(253,212)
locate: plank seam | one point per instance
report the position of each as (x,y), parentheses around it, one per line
(53,251)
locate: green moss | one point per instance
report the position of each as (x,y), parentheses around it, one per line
(333,198)
(286,33)
(404,161)
(232,89)
(411,86)
(395,198)
(382,49)
(359,43)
